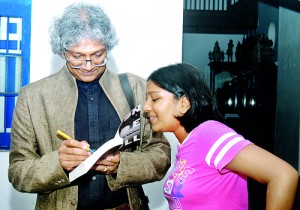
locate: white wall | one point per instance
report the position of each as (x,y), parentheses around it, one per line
(10,199)
(150,33)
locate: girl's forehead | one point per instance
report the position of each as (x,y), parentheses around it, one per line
(151,84)
(152,88)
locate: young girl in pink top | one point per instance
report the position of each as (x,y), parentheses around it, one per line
(213,161)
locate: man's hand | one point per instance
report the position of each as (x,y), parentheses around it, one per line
(72,153)
(109,164)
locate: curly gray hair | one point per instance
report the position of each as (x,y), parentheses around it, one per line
(81,21)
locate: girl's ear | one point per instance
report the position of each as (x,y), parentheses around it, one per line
(184,105)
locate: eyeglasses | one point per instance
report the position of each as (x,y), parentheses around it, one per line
(80,61)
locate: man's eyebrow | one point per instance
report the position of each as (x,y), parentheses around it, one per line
(96,51)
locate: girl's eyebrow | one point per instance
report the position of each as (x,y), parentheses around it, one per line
(153,91)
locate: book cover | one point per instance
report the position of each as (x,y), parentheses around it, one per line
(127,133)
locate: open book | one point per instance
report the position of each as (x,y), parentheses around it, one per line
(127,133)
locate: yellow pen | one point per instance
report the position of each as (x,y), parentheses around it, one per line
(61,135)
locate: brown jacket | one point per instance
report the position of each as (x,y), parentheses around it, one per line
(48,105)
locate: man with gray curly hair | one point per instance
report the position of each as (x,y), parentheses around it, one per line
(84,99)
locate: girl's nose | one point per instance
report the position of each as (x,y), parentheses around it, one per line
(146,106)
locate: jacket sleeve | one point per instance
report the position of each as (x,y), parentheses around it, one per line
(29,170)
(141,167)
(151,161)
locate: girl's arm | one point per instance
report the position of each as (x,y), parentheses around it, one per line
(281,178)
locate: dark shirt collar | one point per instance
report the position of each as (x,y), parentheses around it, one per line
(82,84)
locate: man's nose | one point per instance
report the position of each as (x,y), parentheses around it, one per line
(88,65)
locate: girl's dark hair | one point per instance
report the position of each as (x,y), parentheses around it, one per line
(186,80)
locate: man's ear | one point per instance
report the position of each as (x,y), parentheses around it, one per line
(185,105)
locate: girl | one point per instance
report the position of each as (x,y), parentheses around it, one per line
(213,161)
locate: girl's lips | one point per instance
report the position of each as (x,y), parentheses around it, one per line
(151,118)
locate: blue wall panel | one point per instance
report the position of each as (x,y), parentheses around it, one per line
(15,28)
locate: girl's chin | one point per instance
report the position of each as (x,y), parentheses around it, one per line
(155,128)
